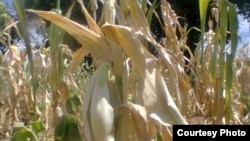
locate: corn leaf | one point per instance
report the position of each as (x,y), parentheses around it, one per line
(158,101)
(93,42)
(203,4)
(133,48)
(132,123)
(138,19)
(233,24)
(91,22)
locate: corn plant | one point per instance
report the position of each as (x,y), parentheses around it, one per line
(129,96)
(216,64)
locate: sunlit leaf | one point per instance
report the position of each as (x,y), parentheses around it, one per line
(93,42)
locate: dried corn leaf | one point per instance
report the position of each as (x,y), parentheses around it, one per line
(158,101)
(93,42)
(129,43)
(132,123)
(77,59)
(91,22)
(138,19)
(155,126)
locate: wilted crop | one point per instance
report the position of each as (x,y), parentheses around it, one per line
(129,93)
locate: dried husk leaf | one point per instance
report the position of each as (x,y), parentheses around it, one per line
(97,111)
(132,123)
